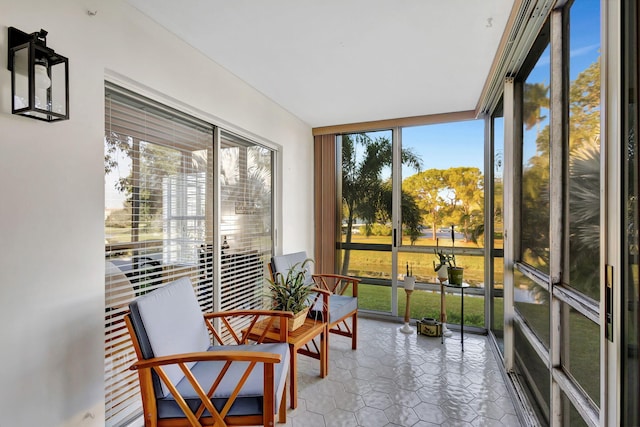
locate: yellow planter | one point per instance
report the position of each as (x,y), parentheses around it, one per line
(295,322)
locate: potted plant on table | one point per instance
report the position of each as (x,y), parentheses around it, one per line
(447,268)
(290,292)
(445,261)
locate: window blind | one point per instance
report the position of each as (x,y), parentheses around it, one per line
(158,222)
(246,221)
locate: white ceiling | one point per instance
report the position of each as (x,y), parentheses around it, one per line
(333,62)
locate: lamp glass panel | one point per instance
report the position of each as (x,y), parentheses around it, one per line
(21,78)
(59,88)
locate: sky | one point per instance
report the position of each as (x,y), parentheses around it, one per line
(584,50)
(446,145)
(461,144)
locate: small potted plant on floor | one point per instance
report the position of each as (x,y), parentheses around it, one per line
(290,292)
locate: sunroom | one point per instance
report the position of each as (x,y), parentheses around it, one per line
(383,139)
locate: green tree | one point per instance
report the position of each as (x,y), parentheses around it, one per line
(584,183)
(466,198)
(143,184)
(426,188)
(536,97)
(584,180)
(411,211)
(363,190)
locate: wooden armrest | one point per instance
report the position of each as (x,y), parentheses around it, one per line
(325,294)
(234,313)
(340,276)
(252,317)
(321,291)
(330,281)
(222,355)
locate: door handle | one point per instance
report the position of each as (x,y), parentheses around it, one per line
(608,302)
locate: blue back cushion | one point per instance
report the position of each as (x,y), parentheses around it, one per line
(169,321)
(283,263)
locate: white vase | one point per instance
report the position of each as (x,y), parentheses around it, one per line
(443,273)
(409,283)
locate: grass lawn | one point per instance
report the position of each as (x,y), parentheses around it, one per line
(583,344)
(424,304)
(378,263)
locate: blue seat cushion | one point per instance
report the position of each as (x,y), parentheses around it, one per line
(339,307)
(249,400)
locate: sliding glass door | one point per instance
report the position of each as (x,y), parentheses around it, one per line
(183,198)
(366,236)
(406,193)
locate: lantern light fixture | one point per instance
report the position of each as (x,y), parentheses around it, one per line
(39,77)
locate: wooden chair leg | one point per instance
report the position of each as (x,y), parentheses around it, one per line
(324,348)
(293,375)
(354,331)
(282,410)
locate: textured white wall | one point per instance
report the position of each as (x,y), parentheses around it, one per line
(52,196)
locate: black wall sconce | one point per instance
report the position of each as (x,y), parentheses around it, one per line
(39,77)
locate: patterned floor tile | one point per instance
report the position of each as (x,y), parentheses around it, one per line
(394,379)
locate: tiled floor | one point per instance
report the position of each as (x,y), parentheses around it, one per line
(394,379)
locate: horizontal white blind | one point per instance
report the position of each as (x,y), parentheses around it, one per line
(246,221)
(158,222)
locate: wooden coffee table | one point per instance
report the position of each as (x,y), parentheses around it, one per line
(302,341)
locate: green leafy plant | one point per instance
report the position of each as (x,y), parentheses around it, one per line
(444,259)
(289,292)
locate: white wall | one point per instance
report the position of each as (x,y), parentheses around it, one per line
(52,196)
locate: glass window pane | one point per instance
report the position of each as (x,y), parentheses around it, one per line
(535,165)
(374,267)
(534,374)
(630,239)
(532,302)
(443,188)
(497,302)
(426,303)
(571,415)
(584,148)
(366,188)
(583,361)
(366,164)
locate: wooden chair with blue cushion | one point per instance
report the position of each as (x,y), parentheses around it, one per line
(187,381)
(343,300)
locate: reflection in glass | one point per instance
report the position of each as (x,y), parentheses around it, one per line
(532,302)
(497,302)
(535,375)
(571,415)
(630,241)
(584,149)
(583,363)
(535,165)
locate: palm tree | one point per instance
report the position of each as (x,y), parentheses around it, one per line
(363,190)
